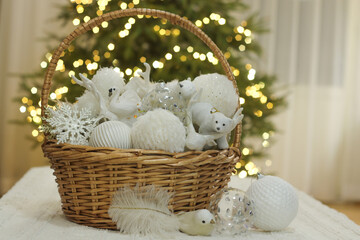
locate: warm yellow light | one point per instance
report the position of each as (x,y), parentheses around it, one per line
(240,29)
(243,174)
(222,21)
(33,113)
(143,59)
(265,144)
(247,40)
(238,37)
(76,21)
(202,57)
(79,8)
(248,66)
(127,25)
(24,100)
(106,54)
(140,16)
(33,90)
(71,73)
(131,20)
(168,56)
(176,32)
(227,55)
(176,48)
(269,105)
(249,166)
(96,58)
(206,20)
(40,138)
(247,32)
(123,5)
(198,23)
(190,49)
(76,64)
(245,151)
(104,24)
(258,113)
(116,69)
(43,64)
(265,135)
(156,28)
(86,18)
(238,165)
(95,29)
(268,163)
(242,100)
(22,109)
(128,71)
(263,99)
(99,12)
(136,2)
(162,32)
(35,133)
(29,119)
(236,72)
(242,48)
(196,55)
(111,46)
(183,58)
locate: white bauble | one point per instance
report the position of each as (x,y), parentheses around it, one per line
(274,203)
(158,130)
(219,91)
(114,134)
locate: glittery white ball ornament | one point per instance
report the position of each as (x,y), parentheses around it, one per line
(114,134)
(159,130)
(231,212)
(218,90)
(274,203)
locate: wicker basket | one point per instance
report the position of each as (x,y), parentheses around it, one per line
(88,176)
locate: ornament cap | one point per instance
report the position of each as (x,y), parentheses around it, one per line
(260,176)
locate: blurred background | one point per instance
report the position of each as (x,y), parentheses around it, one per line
(310,46)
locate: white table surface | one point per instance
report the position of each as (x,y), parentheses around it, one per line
(32,210)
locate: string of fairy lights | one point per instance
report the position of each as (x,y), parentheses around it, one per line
(33,110)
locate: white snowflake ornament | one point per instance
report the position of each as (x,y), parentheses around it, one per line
(69,124)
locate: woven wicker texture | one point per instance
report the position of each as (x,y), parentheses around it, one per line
(87,176)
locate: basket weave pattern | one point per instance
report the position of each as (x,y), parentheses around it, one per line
(87,176)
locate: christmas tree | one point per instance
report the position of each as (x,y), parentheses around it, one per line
(174,53)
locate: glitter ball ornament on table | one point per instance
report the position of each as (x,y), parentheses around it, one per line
(275,203)
(163,97)
(230,207)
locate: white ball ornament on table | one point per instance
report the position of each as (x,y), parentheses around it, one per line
(219,91)
(159,130)
(274,203)
(113,134)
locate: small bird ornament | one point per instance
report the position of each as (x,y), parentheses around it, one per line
(200,222)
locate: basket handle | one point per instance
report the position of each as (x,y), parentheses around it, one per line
(173,18)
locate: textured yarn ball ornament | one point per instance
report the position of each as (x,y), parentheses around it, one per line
(158,130)
(114,134)
(219,91)
(275,203)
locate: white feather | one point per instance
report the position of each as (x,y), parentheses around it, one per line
(143,211)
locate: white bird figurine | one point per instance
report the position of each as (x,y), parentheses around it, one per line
(200,222)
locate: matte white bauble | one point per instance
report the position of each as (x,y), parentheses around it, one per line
(158,130)
(219,91)
(114,134)
(274,203)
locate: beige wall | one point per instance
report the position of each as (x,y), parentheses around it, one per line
(22,24)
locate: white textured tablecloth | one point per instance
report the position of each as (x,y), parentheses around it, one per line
(32,210)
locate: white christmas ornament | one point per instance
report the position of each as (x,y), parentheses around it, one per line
(219,91)
(69,124)
(103,80)
(114,134)
(274,203)
(200,222)
(159,130)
